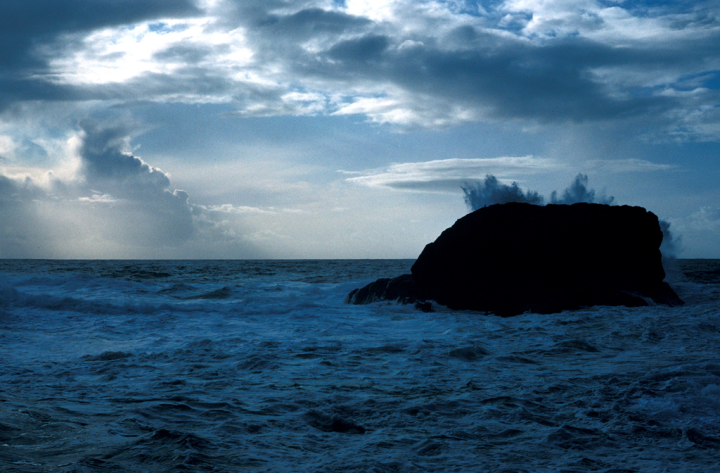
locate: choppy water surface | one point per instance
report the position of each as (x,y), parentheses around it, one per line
(260,366)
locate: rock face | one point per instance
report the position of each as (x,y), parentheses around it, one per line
(513,258)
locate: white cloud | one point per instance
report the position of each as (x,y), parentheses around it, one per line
(120,54)
(409,111)
(616,23)
(552,17)
(7,145)
(99,198)
(448,175)
(627,165)
(376,10)
(236,209)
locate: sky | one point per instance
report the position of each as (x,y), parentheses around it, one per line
(343,128)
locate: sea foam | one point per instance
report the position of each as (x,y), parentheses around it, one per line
(260,366)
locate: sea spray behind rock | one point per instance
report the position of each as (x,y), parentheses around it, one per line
(491,191)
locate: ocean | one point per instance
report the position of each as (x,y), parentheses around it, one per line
(230,366)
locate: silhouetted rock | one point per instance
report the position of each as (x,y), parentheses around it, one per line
(514,258)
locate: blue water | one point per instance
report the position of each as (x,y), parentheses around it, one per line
(229,366)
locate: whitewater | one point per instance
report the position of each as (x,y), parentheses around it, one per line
(227,366)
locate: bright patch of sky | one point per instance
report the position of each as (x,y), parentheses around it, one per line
(376,10)
(117,55)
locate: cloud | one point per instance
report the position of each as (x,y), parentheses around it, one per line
(107,162)
(307,24)
(159,213)
(32,34)
(236,209)
(361,50)
(409,111)
(115,202)
(98,197)
(25,26)
(413,64)
(448,175)
(570,72)
(628,165)
(503,78)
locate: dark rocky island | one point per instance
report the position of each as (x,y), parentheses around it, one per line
(514,258)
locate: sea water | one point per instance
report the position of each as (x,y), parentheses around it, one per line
(225,366)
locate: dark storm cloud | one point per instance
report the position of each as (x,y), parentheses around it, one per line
(362,50)
(186,80)
(26,24)
(516,79)
(495,74)
(198,81)
(274,34)
(433,69)
(113,205)
(104,159)
(186,54)
(310,23)
(32,32)
(278,30)
(18,89)
(116,198)
(109,168)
